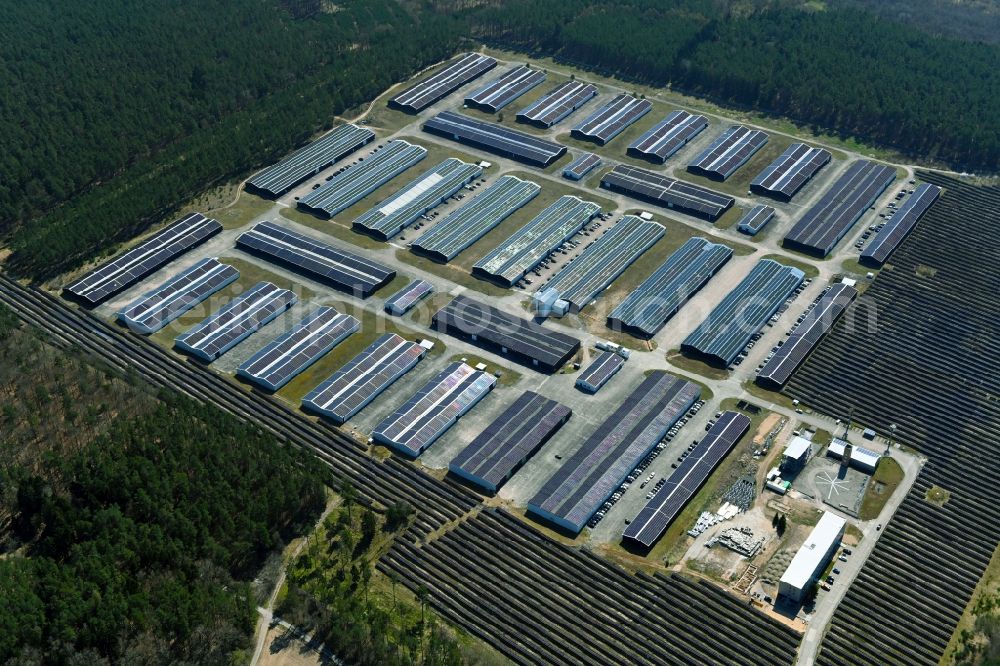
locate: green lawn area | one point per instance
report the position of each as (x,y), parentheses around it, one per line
(246,208)
(679,360)
(809,269)
(887,477)
(507,376)
(751,387)
(937,495)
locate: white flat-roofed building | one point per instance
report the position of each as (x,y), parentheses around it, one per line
(796,453)
(863,459)
(809,562)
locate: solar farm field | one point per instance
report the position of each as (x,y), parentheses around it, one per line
(929,366)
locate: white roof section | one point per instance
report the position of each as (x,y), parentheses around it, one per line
(813,552)
(797,447)
(859,454)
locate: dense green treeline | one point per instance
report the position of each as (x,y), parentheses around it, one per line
(139,544)
(125,109)
(844,71)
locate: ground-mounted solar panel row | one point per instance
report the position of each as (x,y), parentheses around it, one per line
(667,136)
(463,227)
(457,73)
(611,120)
(661,295)
(588,478)
(430,189)
(287,356)
(504,89)
(727,330)
(403,300)
(786,175)
(899,225)
(522,251)
(332,266)
(807,334)
(829,219)
(523,340)
(557,104)
(495,138)
(145,258)
(422,419)
(160,306)
(656,516)
(729,152)
(236,321)
(668,192)
(509,441)
(580,281)
(600,371)
(361,179)
(309,160)
(755,220)
(363,378)
(581,166)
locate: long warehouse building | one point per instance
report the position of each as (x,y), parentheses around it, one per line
(668,192)
(612,119)
(806,335)
(504,89)
(682,484)
(522,251)
(829,220)
(291,353)
(811,558)
(557,104)
(120,273)
(430,189)
(727,330)
(362,178)
(461,228)
(661,295)
(581,280)
(162,305)
(345,271)
(454,75)
(493,329)
(236,321)
(899,225)
(509,441)
(432,410)
(495,138)
(667,136)
(309,160)
(728,153)
(589,477)
(786,175)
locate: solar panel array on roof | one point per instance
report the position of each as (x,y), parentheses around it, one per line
(786,175)
(667,136)
(463,227)
(504,89)
(309,160)
(522,251)
(363,378)
(829,220)
(661,295)
(728,152)
(495,138)
(557,104)
(236,321)
(581,280)
(728,328)
(507,443)
(403,300)
(581,166)
(654,518)
(430,189)
(611,120)
(524,340)
(287,356)
(666,191)
(343,270)
(899,225)
(456,74)
(806,335)
(157,308)
(756,219)
(362,178)
(422,419)
(133,265)
(588,478)
(600,371)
